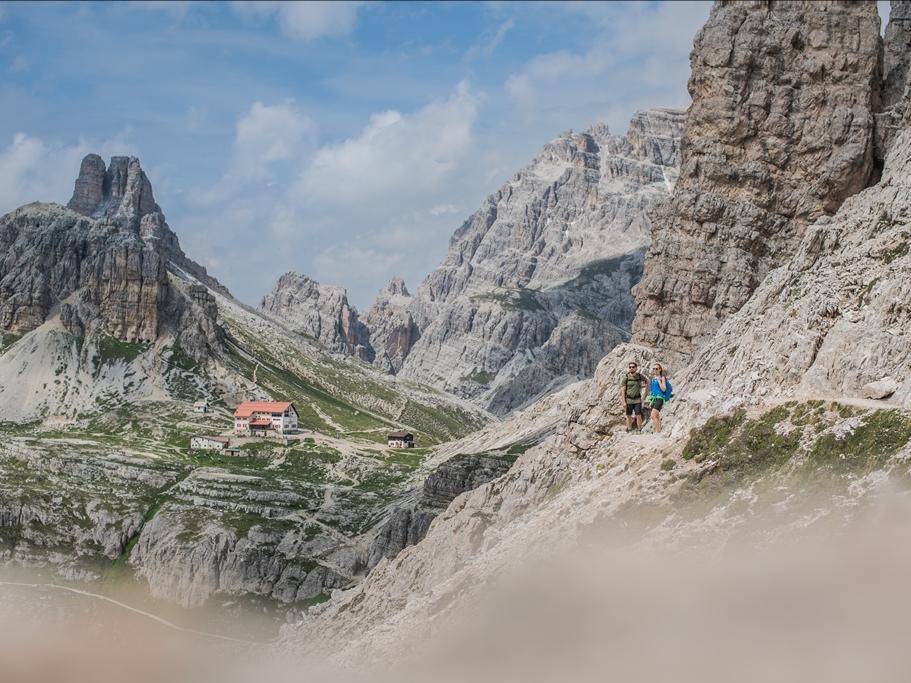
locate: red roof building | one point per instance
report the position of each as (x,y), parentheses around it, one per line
(280,416)
(248,408)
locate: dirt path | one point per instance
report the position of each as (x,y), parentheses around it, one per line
(122,605)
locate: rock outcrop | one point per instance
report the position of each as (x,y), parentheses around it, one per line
(836,316)
(896,54)
(408,524)
(780,133)
(393,331)
(896,62)
(318,311)
(535,288)
(108,265)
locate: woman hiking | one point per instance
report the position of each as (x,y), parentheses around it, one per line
(659,393)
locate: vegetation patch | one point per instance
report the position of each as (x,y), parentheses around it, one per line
(709,439)
(896,252)
(587,314)
(596,270)
(113,350)
(317,599)
(7,339)
(480,377)
(519,299)
(866,448)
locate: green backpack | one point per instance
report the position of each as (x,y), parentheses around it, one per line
(634,387)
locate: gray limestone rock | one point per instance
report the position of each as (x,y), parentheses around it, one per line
(536,286)
(780,132)
(109,264)
(393,331)
(880,389)
(835,316)
(319,311)
(408,524)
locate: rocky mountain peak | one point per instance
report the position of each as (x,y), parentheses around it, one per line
(108,264)
(393,331)
(395,287)
(121,189)
(318,311)
(535,287)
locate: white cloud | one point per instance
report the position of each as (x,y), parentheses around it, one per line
(885,9)
(196,118)
(176,9)
(490,42)
(395,155)
(640,55)
(354,266)
(269,133)
(265,135)
(354,213)
(32,169)
(442,209)
(306,20)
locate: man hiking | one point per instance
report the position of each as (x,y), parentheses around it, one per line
(633,388)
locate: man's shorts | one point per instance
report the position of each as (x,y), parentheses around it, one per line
(633,409)
(657,404)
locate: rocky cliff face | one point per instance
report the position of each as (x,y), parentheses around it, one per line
(836,317)
(107,265)
(393,331)
(318,311)
(896,62)
(408,524)
(535,288)
(780,132)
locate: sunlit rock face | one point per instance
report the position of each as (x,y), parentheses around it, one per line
(780,132)
(536,286)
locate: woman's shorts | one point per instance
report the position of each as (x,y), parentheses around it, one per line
(657,404)
(634,409)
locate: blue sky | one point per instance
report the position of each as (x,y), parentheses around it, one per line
(344,140)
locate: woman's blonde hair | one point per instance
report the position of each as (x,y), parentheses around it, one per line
(660,368)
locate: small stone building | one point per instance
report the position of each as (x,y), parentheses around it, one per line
(400,440)
(209,443)
(200,407)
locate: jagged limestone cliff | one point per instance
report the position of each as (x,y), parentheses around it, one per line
(780,132)
(393,332)
(108,265)
(535,288)
(318,311)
